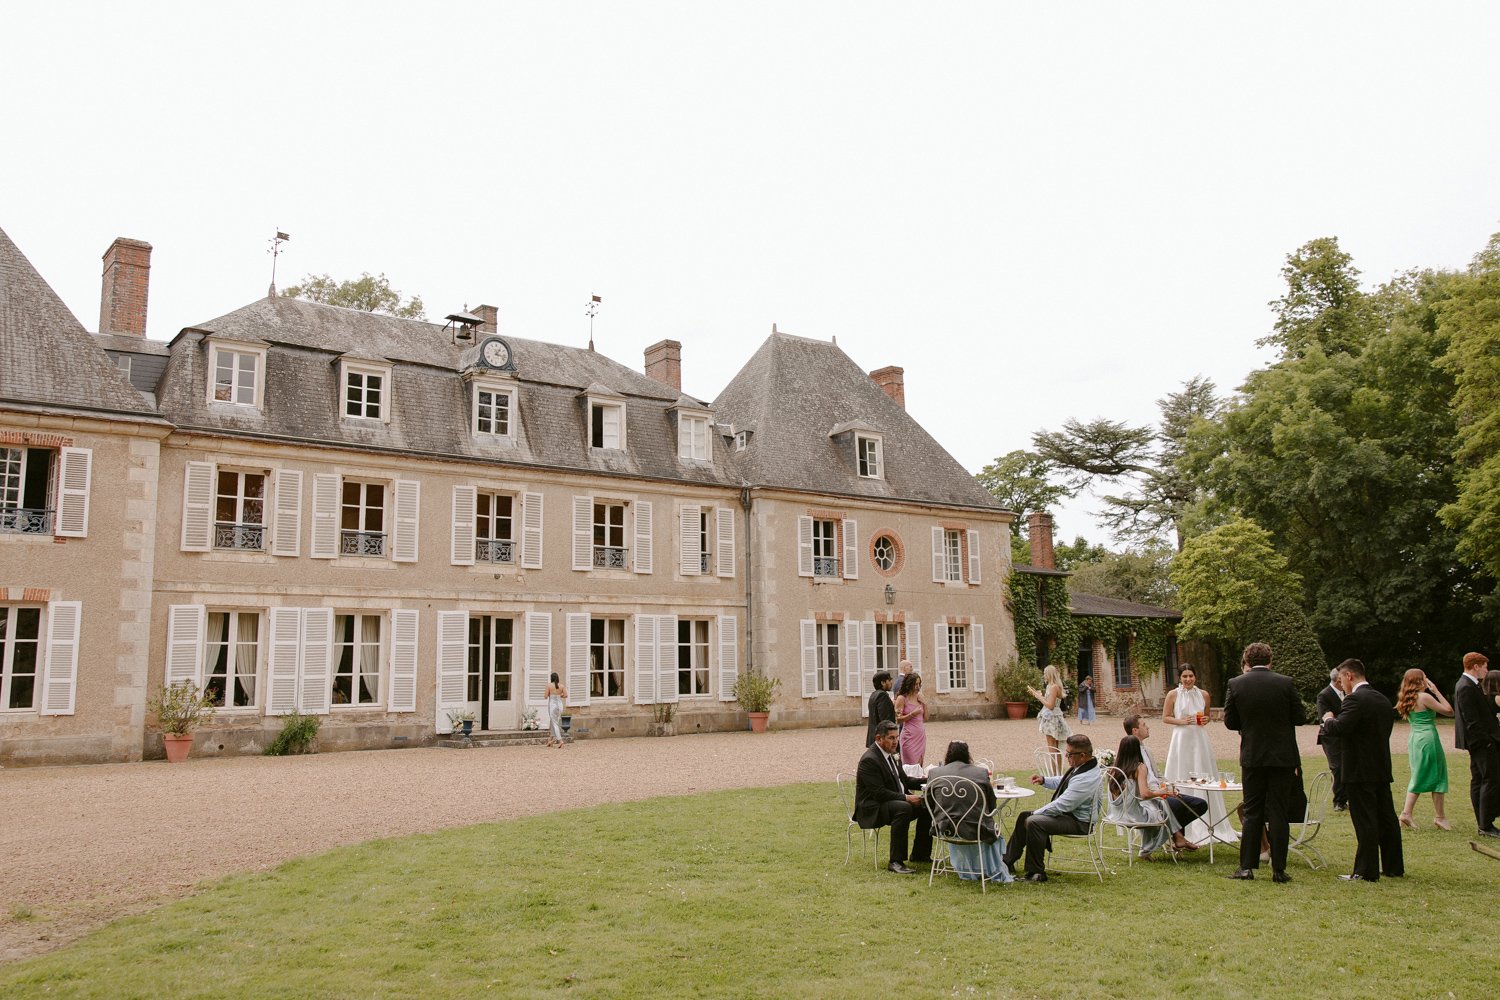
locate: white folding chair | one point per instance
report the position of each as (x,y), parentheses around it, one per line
(954,802)
(1121,806)
(1304,832)
(869,839)
(1091,860)
(1049,762)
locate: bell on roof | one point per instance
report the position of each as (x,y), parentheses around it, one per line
(461,327)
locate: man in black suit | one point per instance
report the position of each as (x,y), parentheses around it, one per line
(1476,731)
(882,709)
(1329,701)
(1263,706)
(883,795)
(1363,724)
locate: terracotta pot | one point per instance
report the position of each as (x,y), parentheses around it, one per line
(758,721)
(177,747)
(1015,710)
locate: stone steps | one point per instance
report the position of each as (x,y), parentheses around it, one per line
(514,738)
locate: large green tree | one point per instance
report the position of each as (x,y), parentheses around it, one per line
(370,293)
(1225,579)
(1140,575)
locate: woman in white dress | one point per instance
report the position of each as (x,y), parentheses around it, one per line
(1190,753)
(1050,720)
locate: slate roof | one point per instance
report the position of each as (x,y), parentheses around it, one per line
(46,356)
(430,409)
(1111,607)
(795,392)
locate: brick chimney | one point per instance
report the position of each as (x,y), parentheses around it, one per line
(1039,534)
(892,381)
(491,317)
(664,363)
(122,300)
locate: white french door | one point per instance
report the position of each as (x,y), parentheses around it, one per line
(490,686)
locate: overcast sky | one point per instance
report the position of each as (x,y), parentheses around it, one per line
(1039,210)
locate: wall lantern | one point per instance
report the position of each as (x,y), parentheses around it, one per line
(890,594)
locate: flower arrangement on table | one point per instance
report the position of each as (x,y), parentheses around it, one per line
(530,721)
(1106,758)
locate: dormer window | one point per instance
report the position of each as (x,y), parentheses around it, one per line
(693,434)
(494,411)
(741,439)
(366,390)
(867,448)
(236,373)
(606,424)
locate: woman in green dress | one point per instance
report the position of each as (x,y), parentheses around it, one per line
(1419,702)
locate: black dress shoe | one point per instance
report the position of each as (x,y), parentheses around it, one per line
(1244,874)
(900,869)
(1353,878)
(1491,832)
(1340,808)
(1280,877)
(1037,877)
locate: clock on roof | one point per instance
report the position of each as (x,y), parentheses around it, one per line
(495,353)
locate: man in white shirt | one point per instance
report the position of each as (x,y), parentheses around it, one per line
(1185,808)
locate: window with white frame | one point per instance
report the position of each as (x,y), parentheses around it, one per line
(741,439)
(237,375)
(825,548)
(494,409)
(492,645)
(240,510)
(356,659)
(887,647)
(827,647)
(609,536)
(606,658)
(26,491)
(692,438)
(494,541)
(692,656)
(231,658)
(606,424)
(20,656)
(365,391)
(1124,674)
(957,663)
(362,519)
(953,555)
(869,452)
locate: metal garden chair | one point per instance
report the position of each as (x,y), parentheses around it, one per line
(1304,832)
(1091,860)
(954,802)
(1118,812)
(869,839)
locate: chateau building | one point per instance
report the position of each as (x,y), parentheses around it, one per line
(387,522)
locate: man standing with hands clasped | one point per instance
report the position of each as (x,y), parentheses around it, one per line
(1264,708)
(1363,726)
(1477,732)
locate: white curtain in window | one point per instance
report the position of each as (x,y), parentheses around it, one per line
(246,638)
(369,658)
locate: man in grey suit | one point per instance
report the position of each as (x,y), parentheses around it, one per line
(1263,707)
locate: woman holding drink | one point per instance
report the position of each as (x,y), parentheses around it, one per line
(1190,754)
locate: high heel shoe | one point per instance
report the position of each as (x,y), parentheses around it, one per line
(1442,824)
(1406,821)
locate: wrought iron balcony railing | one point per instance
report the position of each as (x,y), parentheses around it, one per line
(25,520)
(228,535)
(361,543)
(494,550)
(825,565)
(611,557)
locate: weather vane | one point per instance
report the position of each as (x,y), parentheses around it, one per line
(591,311)
(275,252)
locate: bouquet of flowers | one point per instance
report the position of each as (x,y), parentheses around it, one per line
(529,720)
(1106,758)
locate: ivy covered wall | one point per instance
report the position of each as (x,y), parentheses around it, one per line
(1039,606)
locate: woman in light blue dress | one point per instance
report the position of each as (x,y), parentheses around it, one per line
(1086,700)
(555,695)
(1135,801)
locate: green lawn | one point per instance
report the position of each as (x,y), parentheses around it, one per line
(745,894)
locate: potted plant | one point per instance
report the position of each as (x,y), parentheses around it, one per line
(461,718)
(754,691)
(663,719)
(1011,683)
(530,721)
(179,708)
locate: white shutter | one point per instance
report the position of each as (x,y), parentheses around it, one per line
(452,665)
(853,660)
(464,500)
(724,541)
(325,518)
(283,660)
(60,684)
(804,546)
(197,507)
(641,561)
(317,660)
(73,498)
(690,539)
(974,559)
(531,531)
(583,532)
(185,625)
(578,658)
(867,659)
(914,645)
(977,664)
(538,656)
(286,524)
(851,549)
(809,658)
(729,656)
(404,660)
(940,655)
(938,571)
(666,662)
(645,659)
(408,518)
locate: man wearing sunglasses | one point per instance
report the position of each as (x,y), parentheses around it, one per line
(1070,811)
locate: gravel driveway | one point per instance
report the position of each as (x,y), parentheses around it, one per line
(83,845)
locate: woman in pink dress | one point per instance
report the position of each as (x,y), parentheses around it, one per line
(911,712)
